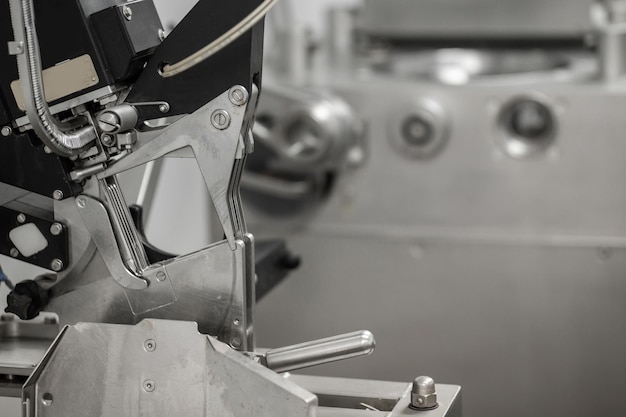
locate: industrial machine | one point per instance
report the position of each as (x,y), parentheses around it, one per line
(91,89)
(482,228)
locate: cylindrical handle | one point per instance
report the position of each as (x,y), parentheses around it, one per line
(321,351)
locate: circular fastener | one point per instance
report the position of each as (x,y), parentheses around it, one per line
(235,343)
(148,386)
(108,140)
(21,218)
(56,265)
(164,108)
(6,131)
(57,195)
(56,229)
(423,393)
(81,202)
(421,131)
(238,95)
(161,276)
(127,12)
(47,399)
(14,252)
(162,35)
(149,345)
(108,122)
(220,119)
(529,126)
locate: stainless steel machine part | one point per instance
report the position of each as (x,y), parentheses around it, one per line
(317,352)
(162,368)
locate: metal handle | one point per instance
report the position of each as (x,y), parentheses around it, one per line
(321,351)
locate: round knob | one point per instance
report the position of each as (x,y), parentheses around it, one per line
(423,393)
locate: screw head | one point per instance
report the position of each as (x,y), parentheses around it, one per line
(238,95)
(164,108)
(56,229)
(21,218)
(14,252)
(127,12)
(108,122)
(220,119)
(148,386)
(6,131)
(108,140)
(235,343)
(162,35)
(57,195)
(81,202)
(149,345)
(161,276)
(47,150)
(56,265)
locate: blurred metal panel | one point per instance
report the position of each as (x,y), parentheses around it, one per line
(476,18)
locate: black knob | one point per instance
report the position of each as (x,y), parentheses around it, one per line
(27,300)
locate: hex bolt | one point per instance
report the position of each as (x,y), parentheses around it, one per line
(220,119)
(127,12)
(14,252)
(6,131)
(108,140)
(238,95)
(56,265)
(423,394)
(21,218)
(57,195)
(149,345)
(56,229)
(148,386)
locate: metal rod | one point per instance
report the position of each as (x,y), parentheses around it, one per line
(321,351)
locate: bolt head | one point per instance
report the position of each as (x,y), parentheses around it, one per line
(149,345)
(423,393)
(108,122)
(127,12)
(6,131)
(161,276)
(235,343)
(238,95)
(56,229)
(57,195)
(164,108)
(21,218)
(148,386)
(81,202)
(47,150)
(56,265)
(220,119)
(14,253)
(108,140)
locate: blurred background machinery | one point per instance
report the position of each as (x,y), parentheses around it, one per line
(480,228)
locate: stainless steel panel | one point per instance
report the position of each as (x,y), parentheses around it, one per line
(522,328)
